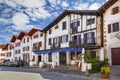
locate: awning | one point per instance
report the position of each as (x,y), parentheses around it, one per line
(58,50)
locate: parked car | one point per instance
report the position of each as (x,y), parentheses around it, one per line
(9,63)
(18,63)
(3,63)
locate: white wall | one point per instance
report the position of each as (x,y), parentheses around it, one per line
(109,18)
(17,48)
(58,32)
(11,58)
(40,38)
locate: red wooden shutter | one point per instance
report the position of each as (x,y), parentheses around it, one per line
(28,48)
(109,28)
(40,44)
(115,10)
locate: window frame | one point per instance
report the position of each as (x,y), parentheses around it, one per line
(64,25)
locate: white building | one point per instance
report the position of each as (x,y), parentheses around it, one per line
(37,38)
(17,48)
(9,52)
(111,24)
(26,48)
(2,53)
(66,36)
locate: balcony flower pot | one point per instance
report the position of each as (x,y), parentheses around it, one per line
(105,72)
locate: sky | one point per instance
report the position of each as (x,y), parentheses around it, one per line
(23,15)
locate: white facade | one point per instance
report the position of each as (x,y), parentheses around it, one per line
(2,55)
(54,33)
(26,48)
(110,39)
(10,53)
(37,44)
(18,49)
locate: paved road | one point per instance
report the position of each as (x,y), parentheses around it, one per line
(9,75)
(46,74)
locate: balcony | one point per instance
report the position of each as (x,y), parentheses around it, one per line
(82,42)
(90,41)
(55,46)
(74,30)
(36,48)
(75,43)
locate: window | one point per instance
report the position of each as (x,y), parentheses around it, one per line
(64,38)
(56,27)
(56,40)
(90,21)
(75,24)
(50,31)
(109,28)
(115,10)
(23,40)
(89,37)
(23,48)
(19,51)
(27,39)
(49,41)
(35,36)
(41,34)
(60,39)
(74,38)
(115,27)
(27,48)
(50,57)
(64,25)
(15,51)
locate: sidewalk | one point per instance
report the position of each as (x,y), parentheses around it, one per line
(114,75)
(9,75)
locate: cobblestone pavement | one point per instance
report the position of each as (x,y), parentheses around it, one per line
(114,75)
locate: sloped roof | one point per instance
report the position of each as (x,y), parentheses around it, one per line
(105,6)
(66,12)
(2,46)
(6,46)
(14,37)
(33,30)
(21,35)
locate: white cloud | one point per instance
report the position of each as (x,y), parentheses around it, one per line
(22,27)
(53,1)
(82,6)
(64,4)
(21,22)
(15,33)
(3,36)
(1,1)
(31,3)
(20,19)
(38,13)
(94,6)
(10,3)
(5,21)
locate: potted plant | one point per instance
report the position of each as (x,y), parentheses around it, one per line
(105,72)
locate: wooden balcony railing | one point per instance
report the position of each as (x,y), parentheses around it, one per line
(74,30)
(55,46)
(88,41)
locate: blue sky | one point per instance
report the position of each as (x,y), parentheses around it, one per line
(22,15)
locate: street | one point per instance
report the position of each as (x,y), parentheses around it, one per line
(46,74)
